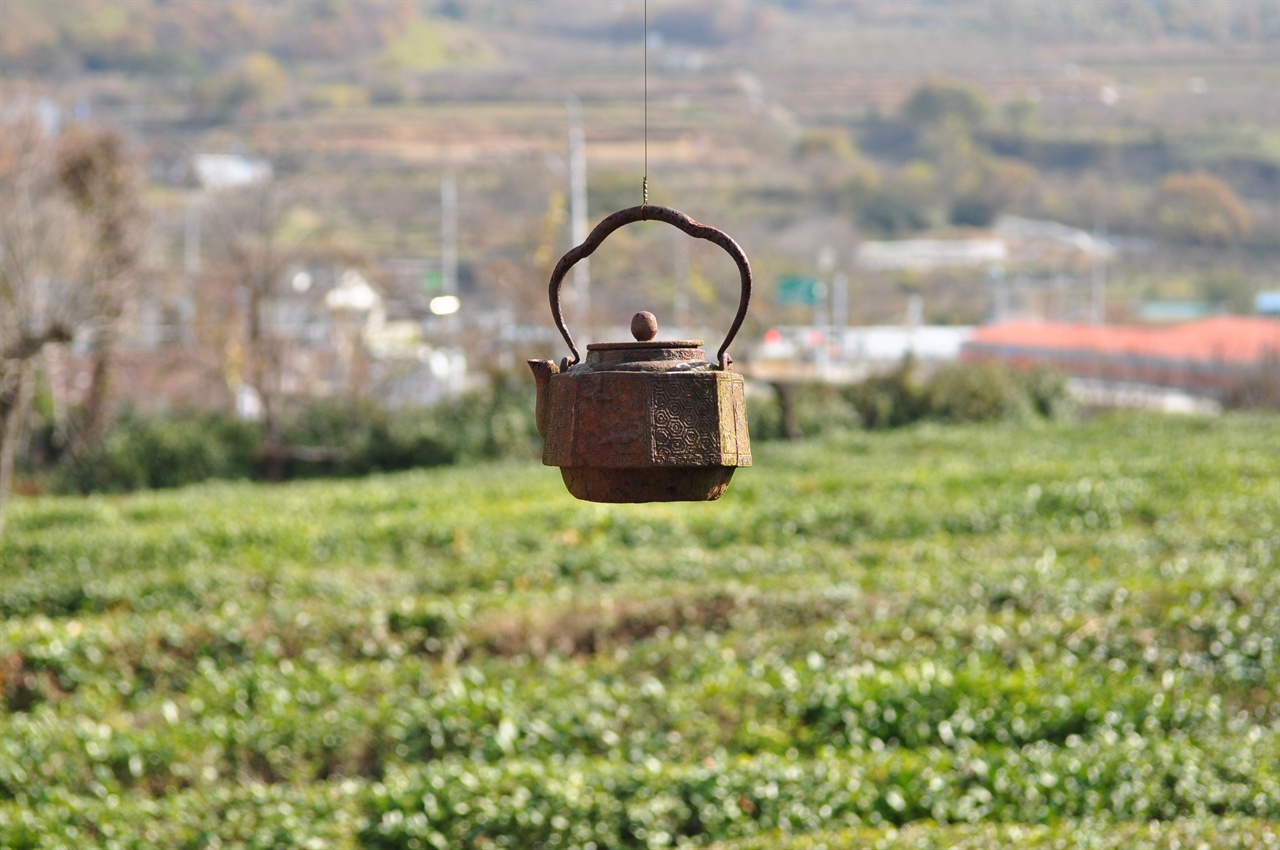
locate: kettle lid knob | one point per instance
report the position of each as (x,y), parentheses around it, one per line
(644,326)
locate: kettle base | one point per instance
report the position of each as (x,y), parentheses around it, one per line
(647,484)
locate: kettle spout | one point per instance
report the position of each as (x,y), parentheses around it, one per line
(542,372)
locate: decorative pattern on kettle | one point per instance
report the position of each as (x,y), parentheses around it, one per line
(685,423)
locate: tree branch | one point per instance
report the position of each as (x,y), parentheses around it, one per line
(29,345)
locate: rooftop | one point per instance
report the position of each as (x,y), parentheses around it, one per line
(1231,339)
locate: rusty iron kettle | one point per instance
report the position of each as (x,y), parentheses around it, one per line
(647,420)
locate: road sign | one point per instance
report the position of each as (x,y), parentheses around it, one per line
(794,289)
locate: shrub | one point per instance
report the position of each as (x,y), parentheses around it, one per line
(955,393)
(1258,391)
(974,393)
(889,400)
(1047,392)
(888,212)
(164,451)
(338,438)
(1198,207)
(795,411)
(326,438)
(493,422)
(939,100)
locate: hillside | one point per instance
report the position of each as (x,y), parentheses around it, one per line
(780,122)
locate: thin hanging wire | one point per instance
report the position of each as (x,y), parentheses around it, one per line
(645,182)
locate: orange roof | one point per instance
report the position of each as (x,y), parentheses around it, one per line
(1232,339)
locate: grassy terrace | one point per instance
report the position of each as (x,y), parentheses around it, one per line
(940,637)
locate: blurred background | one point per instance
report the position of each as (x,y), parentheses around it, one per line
(275,223)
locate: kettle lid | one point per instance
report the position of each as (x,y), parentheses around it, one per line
(644,327)
(645,349)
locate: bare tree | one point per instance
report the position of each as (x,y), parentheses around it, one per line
(253,244)
(68,214)
(100,178)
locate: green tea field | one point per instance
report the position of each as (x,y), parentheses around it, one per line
(1033,636)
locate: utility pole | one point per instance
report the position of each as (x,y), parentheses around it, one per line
(190,263)
(822,307)
(840,300)
(449,233)
(1098,299)
(578,206)
(191,239)
(1000,294)
(915,310)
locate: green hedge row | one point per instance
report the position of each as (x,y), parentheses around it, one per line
(327,439)
(345,439)
(961,392)
(591,803)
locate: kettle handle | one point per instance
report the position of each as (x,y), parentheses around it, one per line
(652,212)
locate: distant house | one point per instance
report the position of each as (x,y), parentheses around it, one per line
(337,338)
(229,171)
(1014,241)
(331,333)
(1208,357)
(930,254)
(1166,312)
(875,345)
(842,355)
(1036,242)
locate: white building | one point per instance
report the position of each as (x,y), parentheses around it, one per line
(930,254)
(229,171)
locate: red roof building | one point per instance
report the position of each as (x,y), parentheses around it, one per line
(1208,356)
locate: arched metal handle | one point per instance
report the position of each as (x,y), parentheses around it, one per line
(652,212)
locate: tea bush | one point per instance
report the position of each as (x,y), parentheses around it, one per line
(980,635)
